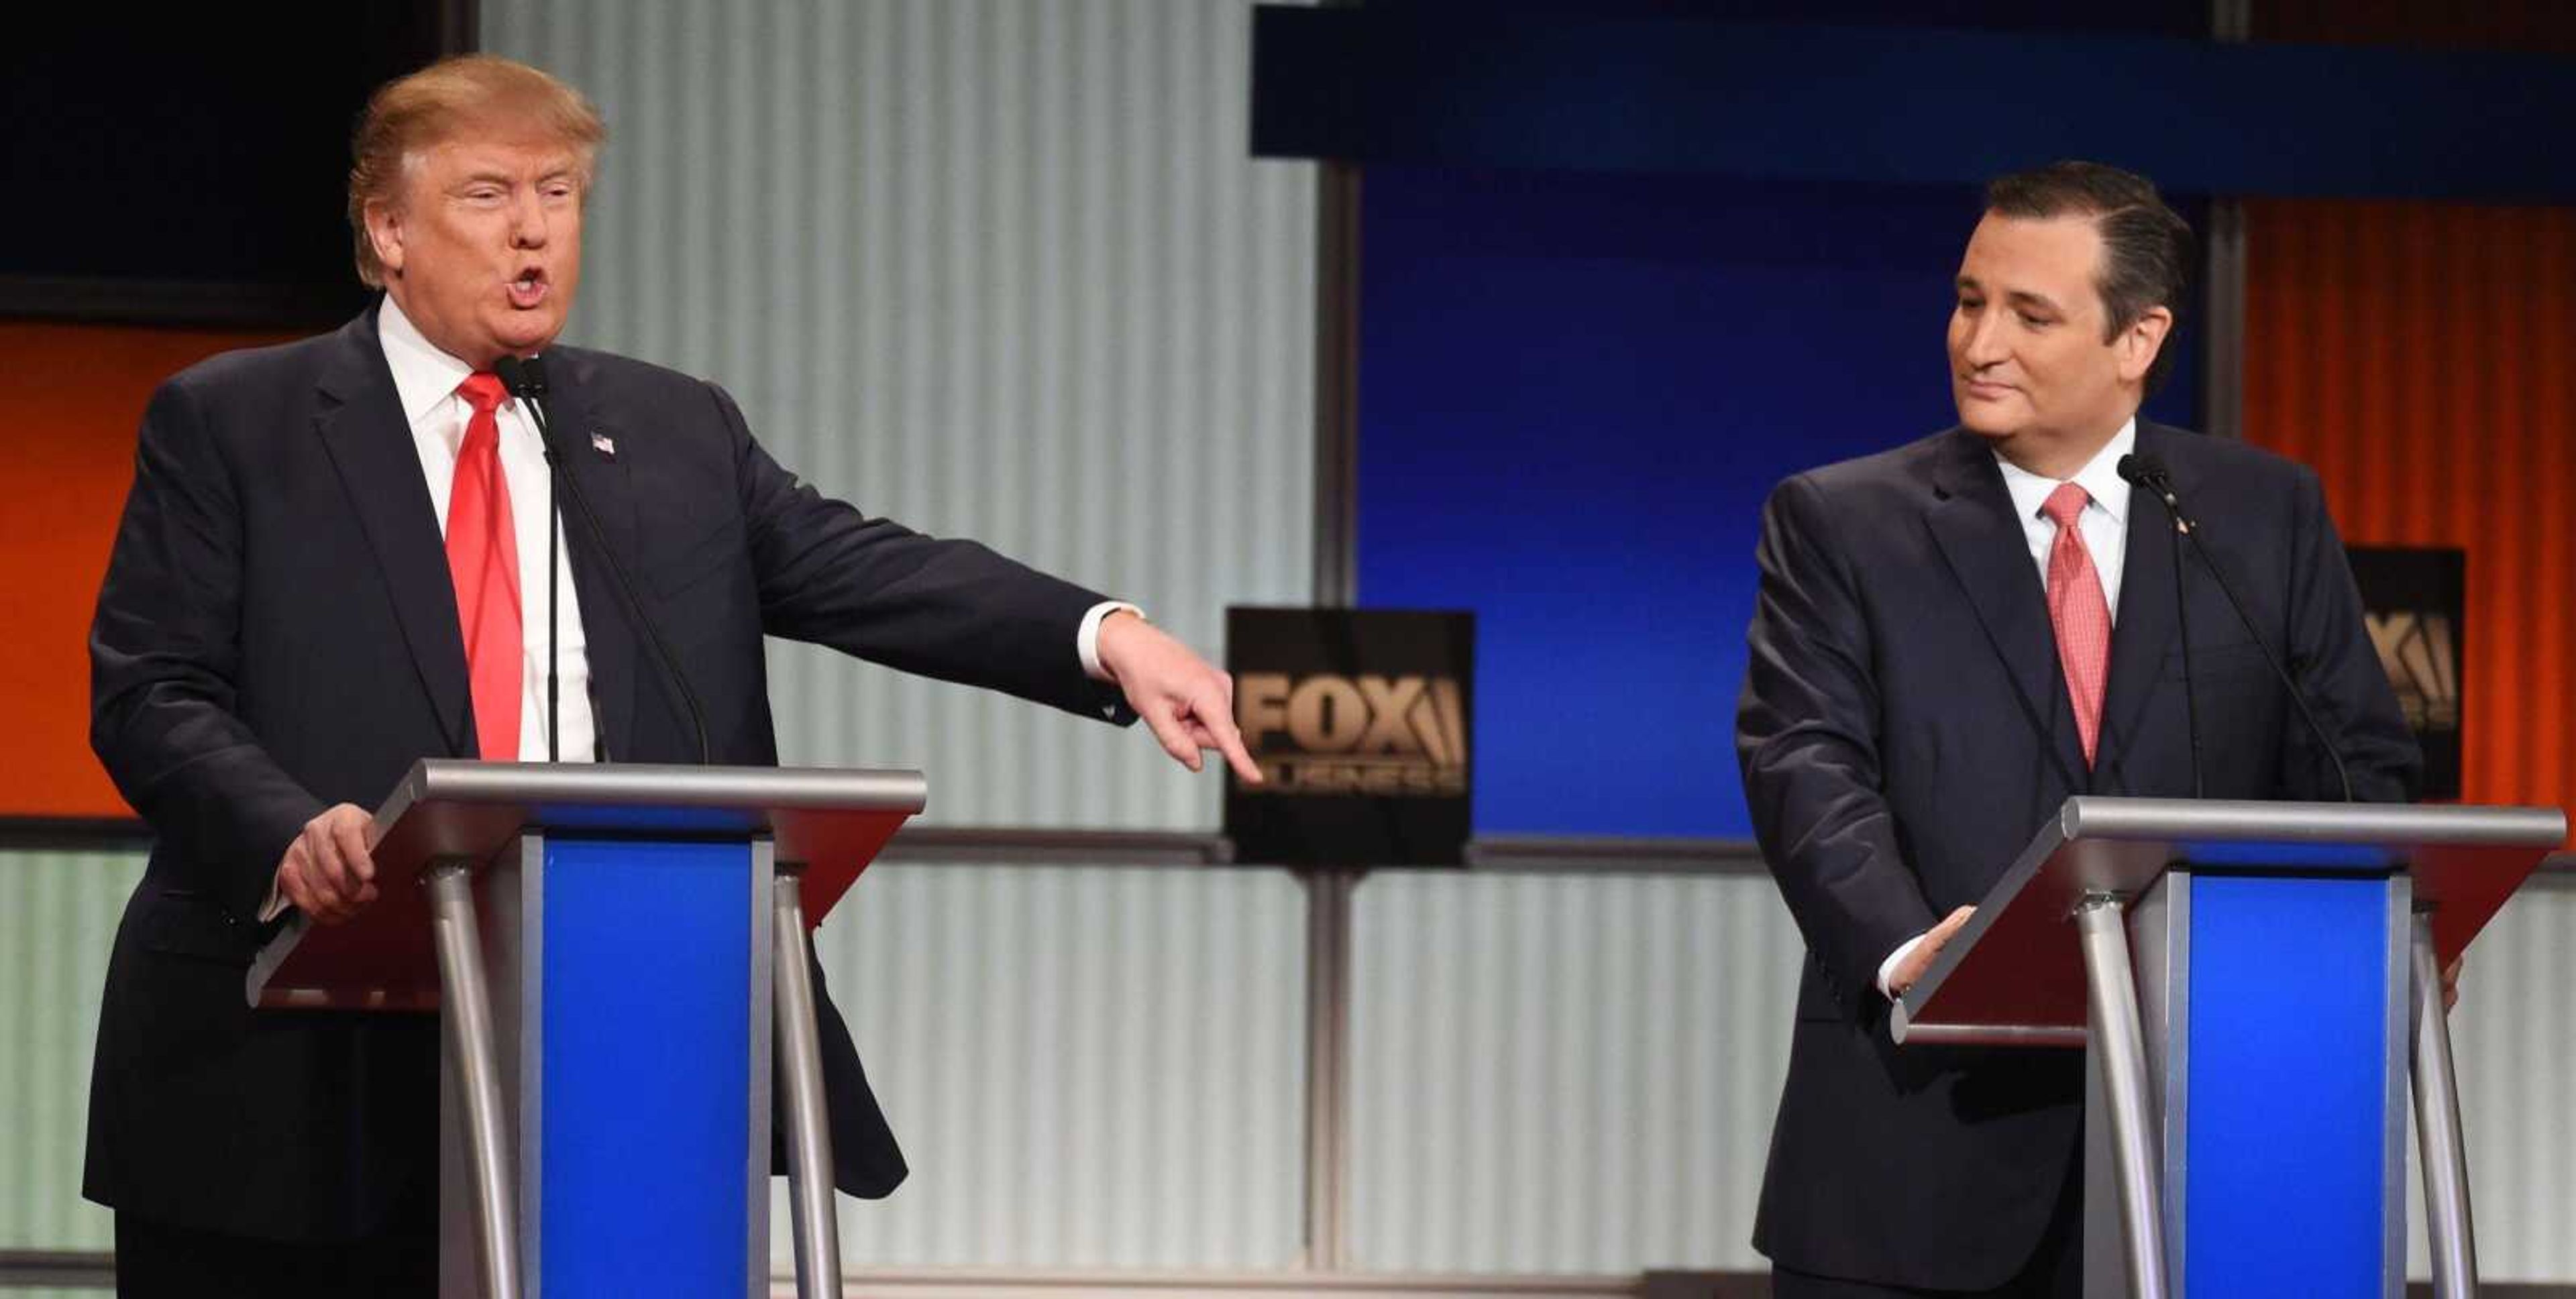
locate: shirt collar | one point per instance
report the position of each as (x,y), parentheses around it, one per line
(2100,478)
(423,375)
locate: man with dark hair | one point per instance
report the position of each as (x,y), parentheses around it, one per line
(2147,249)
(332,564)
(1950,639)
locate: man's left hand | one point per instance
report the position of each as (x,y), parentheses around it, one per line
(1189,704)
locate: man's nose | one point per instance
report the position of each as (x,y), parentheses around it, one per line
(528,220)
(1984,343)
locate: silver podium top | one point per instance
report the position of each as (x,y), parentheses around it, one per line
(2090,816)
(828,824)
(570,787)
(2015,973)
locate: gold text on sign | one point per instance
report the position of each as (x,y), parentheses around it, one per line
(1324,733)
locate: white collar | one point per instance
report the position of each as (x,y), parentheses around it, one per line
(423,375)
(2100,478)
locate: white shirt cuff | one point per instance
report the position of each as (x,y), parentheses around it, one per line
(276,904)
(1887,968)
(1087,642)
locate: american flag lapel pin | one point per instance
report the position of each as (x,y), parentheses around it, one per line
(603,444)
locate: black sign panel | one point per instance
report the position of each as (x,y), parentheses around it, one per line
(2414,602)
(1360,720)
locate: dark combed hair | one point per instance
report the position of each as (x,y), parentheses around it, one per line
(2147,250)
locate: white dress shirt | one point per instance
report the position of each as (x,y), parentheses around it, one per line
(2104,522)
(425,381)
(2105,525)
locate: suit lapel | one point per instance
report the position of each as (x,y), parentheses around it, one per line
(2144,633)
(1972,519)
(361,424)
(572,412)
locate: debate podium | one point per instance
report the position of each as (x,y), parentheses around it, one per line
(610,950)
(2254,983)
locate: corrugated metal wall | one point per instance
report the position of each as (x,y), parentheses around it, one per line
(58,912)
(997,269)
(1563,1074)
(1087,1067)
(2515,1033)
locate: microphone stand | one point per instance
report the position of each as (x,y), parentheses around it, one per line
(2150,473)
(2159,487)
(526,379)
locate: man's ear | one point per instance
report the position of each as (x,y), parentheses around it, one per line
(2138,344)
(385,233)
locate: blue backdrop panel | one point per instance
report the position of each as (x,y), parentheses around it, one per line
(2287,1143)
(1462,86)
(1575,392)
(646,1043)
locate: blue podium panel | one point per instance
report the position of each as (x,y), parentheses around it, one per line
(645,1185)
(2293,1175)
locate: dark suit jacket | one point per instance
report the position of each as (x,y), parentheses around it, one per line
(278,633)
(1902,675)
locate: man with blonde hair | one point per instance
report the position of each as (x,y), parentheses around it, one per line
(334,561)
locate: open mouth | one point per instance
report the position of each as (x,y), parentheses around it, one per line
(529,289)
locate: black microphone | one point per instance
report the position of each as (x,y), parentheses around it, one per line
(526,380)
(2149,472)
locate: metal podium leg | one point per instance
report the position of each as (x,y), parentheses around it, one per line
(2119,1039)
(2437,1130)
(467,1014)
(809,1137)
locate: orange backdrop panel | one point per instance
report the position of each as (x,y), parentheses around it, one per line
(2422,357)
(67,418)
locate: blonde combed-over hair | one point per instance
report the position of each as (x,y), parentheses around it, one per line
(453,97)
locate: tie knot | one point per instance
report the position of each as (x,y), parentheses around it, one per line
(2065,503)
(483,392)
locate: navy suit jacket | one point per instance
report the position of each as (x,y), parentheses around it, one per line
(1904,729)
(277,633)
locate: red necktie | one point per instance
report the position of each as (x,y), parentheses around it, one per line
(483,559)
(2080,614)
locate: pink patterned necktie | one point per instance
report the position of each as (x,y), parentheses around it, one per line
(2077,609)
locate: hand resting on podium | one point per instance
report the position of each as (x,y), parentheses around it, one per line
(327,872)
(1908,964)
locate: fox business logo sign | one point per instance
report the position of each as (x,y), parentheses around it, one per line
(2415,648)
(2415,607)
(1362,722)
(1331,734)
